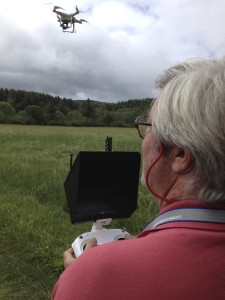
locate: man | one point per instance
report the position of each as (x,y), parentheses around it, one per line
(181,253)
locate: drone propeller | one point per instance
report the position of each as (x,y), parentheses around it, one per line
(77,9)
(58,7)
(83,20)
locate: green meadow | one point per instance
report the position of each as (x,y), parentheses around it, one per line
(35,228)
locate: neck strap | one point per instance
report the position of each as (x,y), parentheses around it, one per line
(206,215)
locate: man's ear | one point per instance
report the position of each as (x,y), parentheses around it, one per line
(182,160)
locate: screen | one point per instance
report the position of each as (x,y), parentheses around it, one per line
(102,185)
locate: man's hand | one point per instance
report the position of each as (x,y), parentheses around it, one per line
(129,237)
(68,257)
(91,243)
(68,254)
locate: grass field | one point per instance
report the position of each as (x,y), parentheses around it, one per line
(35,228)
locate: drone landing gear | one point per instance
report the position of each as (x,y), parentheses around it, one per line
(66,25)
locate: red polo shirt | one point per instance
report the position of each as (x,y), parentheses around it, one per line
(178,260)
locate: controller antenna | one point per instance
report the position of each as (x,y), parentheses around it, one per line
(108,144)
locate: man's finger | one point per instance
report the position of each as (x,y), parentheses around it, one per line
(91,243)
(129,237)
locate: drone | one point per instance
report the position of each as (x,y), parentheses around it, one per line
(67,21)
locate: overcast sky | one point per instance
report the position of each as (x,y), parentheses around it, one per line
(116,56)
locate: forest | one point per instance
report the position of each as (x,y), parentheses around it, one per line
(32,108)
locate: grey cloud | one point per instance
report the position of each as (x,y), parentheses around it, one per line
(110,61)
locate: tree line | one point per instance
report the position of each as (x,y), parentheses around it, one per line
(32,108)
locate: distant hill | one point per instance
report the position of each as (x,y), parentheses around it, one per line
(22,107)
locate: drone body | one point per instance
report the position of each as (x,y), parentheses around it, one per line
(67,21)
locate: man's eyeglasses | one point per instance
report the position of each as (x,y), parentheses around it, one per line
(140,124)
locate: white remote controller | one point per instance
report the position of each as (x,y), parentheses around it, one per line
(102,235)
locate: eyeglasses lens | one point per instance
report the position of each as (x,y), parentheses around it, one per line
(142,128)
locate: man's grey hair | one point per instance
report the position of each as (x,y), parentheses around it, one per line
(191,114)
